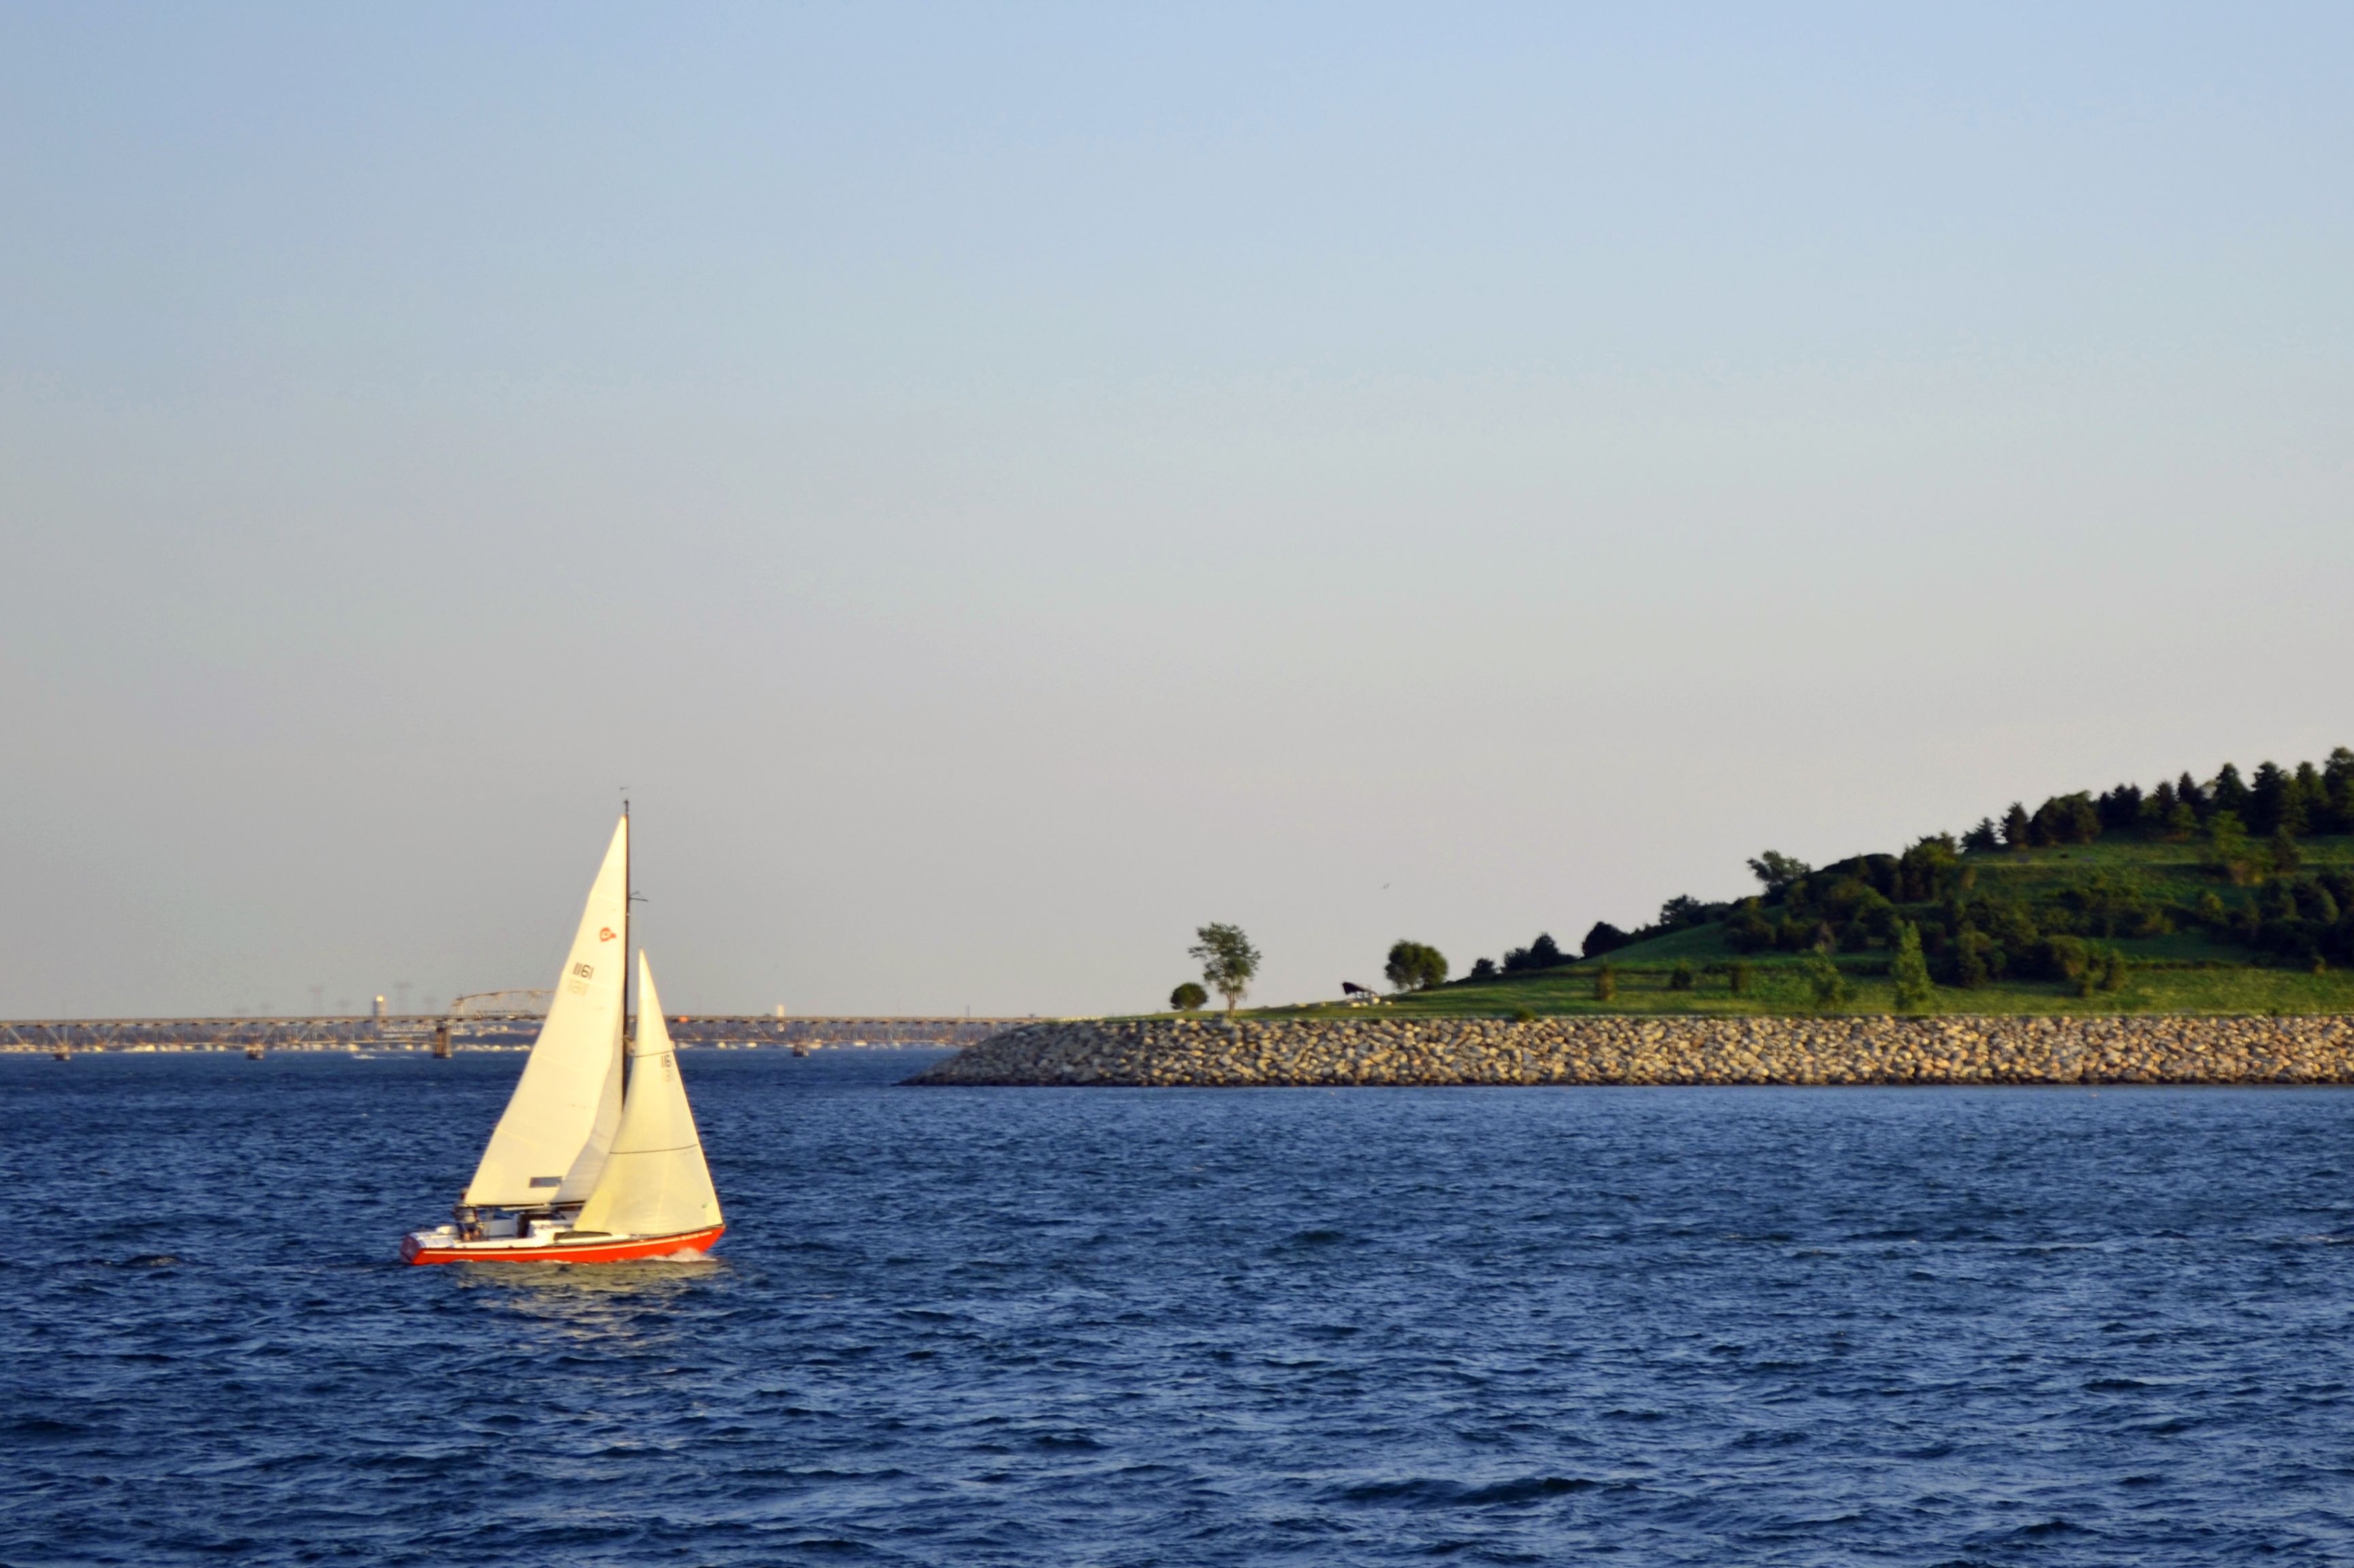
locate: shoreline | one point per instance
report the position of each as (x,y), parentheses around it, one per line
(1636,1050)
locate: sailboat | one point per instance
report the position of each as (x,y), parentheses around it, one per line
(596,1158)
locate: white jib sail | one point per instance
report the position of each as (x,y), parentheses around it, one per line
(549,1146)
(655,1183)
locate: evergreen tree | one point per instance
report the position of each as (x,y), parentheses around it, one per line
(2187,792)
(2337,792)
(2307,800)
(2267,797)
(2284,855)
(2016,828)
(2120,808)
(2227,793)
(1910,971)
(1986,836)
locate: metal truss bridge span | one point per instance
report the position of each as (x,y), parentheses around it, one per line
(478,1032)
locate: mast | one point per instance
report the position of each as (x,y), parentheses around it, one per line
(629,892)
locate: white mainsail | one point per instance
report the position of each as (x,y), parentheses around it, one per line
(549,1146)
(655,1183)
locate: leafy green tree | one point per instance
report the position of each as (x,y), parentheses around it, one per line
(1684,911)
(1188,997)
(1482,970)
(1971,963)
(2282,852)
(1911,970)
(1415,966)
(1779,871)
(2227,846)
(1229,962)
(1921,870)
(1544,953)
(1605,938)
(1680,977)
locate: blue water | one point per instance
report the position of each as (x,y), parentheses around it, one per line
(1113,1327)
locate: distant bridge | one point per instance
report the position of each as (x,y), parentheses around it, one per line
(442,1033)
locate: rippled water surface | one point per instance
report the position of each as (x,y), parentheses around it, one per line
(970,1327)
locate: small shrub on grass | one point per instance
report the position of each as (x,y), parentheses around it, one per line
(1605,984)
(1738,974)
(2105,970)
(1829,985)
(1680,977)
(1187,997)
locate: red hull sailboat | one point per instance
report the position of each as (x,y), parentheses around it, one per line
(596,1158)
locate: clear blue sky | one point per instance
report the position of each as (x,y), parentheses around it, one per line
(1005,486)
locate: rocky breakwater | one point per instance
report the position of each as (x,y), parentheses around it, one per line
(1217,1053)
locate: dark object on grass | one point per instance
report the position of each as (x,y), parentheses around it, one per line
(1188,997)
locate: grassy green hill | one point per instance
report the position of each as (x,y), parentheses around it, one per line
(2228,896)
